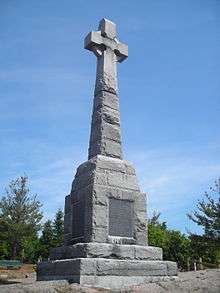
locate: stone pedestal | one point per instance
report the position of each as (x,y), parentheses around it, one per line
(105,204)
(106,231)
(107,273)
(111,266)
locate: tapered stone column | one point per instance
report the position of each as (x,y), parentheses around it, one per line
(105,138)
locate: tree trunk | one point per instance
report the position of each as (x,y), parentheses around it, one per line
(14,250)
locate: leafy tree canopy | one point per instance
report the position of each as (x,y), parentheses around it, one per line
(176,246)
(20,214)
(58,228)
(46,239)
(207,214)
(52,234)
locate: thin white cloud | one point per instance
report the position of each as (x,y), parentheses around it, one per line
(172,182)
(175,179)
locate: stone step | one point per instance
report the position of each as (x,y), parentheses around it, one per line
(104,272)
(105,250)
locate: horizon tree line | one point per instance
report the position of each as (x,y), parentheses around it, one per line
(23,235)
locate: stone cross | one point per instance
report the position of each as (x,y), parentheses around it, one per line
(105,136)
(109,51)
(105,228)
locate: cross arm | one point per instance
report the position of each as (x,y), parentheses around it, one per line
(121,51)
(92,41)
(96,42)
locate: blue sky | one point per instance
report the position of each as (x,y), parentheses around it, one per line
(169,96)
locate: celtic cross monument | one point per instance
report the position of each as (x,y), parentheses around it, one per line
(105,213)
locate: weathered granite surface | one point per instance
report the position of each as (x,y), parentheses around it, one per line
(108,50)
(105,223)
(104,250)
(97,182)
(201,281)
(93,271)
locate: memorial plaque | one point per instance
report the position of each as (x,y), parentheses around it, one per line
(78,212)
(121,217)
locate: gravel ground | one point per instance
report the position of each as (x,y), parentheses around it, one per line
(201,281)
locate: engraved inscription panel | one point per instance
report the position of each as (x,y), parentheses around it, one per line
(121,217)
(78,213)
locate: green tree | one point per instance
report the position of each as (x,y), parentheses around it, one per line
(205,248)
(207,216)
(31,249)
(4,245)
(157,235)
(21,215)
(155,218)
(52,235)
(46,239)
(58,228)
(176,246)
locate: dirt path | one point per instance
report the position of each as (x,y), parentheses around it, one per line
(207,281)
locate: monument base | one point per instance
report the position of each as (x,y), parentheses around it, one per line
(108,273)
(111,266)
(106,250)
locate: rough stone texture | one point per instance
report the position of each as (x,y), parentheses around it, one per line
(97,182)
(186,282)
(108,50)
(105,138)
(104,250)
(105,222)
(90,270)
